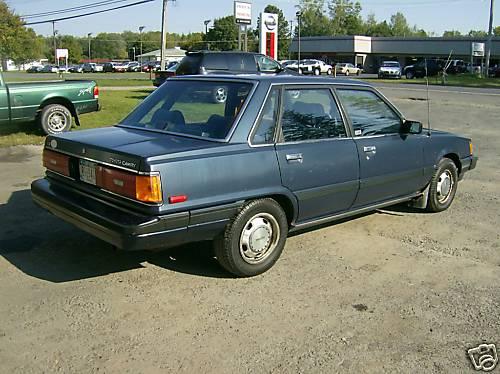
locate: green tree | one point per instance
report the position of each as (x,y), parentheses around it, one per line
(496,31)
(452,34)
(17,42)
(109,46)
(73,46)
(314,22)
(345,17)
(478,33)
(223,36)
(399,25)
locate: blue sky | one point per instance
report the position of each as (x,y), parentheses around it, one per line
(188,15)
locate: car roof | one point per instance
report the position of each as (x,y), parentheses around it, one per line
(275,78)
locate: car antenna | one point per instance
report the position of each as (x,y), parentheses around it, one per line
(428,102)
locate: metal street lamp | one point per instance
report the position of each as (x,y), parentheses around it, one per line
(141,28)
(206,22)
(299,15)
(88,36)
(54,33)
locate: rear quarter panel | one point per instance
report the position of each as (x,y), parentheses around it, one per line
(27,98)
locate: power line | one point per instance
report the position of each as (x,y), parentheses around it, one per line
(89,14)
(73,9)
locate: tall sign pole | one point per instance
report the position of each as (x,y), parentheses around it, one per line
(163,36)
(242,17)
(490,36)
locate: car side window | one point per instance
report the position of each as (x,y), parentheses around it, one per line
(310,114)
(215,61)
(266,127)
(266,64)
(369,114)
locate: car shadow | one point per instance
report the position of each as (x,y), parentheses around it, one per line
(45,247)
(140,94)
(27,128)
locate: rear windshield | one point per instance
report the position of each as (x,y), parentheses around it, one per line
(229,61)
(195,108)
(189,65)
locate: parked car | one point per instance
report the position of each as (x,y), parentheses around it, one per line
(310,66)
(231,62)
(422,68)
(62,69)
(109,67)
(49,69)
(150,66)
(76,69)
(347,69)
(53,104)
(494,71)
(248,171)
(34,69)
(134,66)
(390,69)
(457,67)
(121,67)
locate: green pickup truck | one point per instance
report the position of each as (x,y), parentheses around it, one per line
(54,104)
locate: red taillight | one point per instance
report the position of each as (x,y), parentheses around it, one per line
(145,188)
(96,92)
(56,162)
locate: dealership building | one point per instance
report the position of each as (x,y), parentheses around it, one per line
(369,51)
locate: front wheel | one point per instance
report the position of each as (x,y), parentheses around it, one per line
(409,75)
(329,72)
(317,72)
(253,241)
(443,186)
(55,119)
(347,73)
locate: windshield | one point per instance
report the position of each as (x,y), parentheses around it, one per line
(192,107)
(391,64)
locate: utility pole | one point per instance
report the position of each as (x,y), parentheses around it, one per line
(54,32)
(298,14)
(163,36)
(141,28)
(88,36)
(490,36)
(291,39)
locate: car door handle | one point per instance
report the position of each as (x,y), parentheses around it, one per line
(294,157)
(371,148)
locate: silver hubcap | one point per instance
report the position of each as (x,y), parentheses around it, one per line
(57,122)
(259,238)
(221,95)
(444,186)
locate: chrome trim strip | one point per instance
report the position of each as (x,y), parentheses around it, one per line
(352,212)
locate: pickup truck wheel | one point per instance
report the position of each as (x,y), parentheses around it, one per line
(317,72)
(329,72)
(443,186)
(253,241)
(55,118)
(410,75)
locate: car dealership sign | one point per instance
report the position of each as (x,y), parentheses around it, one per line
(243,12)
(478,49)
(269,34)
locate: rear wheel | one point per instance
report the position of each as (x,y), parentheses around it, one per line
(410,75)
(443,186)
(253,241)
(55,119)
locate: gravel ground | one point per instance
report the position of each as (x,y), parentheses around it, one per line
(397,290)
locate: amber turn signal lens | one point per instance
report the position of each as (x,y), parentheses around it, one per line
(471,148)
(148,188)
(56,162)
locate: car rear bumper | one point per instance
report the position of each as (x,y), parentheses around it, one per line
(126,229)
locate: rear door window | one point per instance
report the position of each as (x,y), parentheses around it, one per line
(215,61)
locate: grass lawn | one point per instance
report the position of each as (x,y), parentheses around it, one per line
(115,106)
(451,80)
(102,79)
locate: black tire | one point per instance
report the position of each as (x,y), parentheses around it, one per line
(219,95)
(329,72)
(55,119)
(234,250)
(347,73)
(443,186)
(358,73)
(410,75)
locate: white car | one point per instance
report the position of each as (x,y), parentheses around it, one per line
(347,69)
(309,66)
(390,69)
